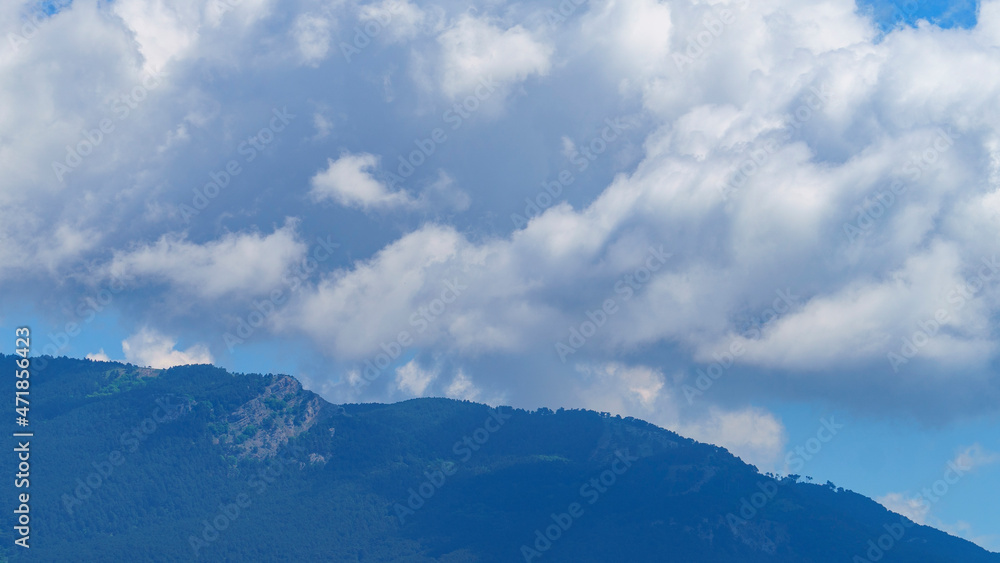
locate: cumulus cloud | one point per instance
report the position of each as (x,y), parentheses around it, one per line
(797,152)
(474,50)
(323,126)
(828,196)
(975,456)
(795,156)
(413,379)
(461,387)
(753,434)
(870,319)
(918,509)
(349,182)
(400,20)
(168,32)
(312,33)
(637,34)
(150,348)
(913,508)
(163,30)
(355,310)
(98,356)
(245,264)
(639,385)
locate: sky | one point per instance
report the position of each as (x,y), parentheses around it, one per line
(743,221)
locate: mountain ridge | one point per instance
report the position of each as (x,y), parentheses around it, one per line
(251,466)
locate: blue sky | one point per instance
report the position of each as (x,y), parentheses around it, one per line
(889,15)
(803,205)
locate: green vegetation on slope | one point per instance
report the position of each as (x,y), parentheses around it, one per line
(194,463)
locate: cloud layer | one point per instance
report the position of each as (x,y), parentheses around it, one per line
(799,205)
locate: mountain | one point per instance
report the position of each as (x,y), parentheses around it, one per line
(194,463)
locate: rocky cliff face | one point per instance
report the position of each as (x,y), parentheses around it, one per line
(263,425)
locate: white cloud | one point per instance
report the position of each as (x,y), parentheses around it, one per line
(918,507)
(312,33)
(164,30)
(244,264)
(413,379)
(349,182)
(918,510)
(637,33)
(99,356)
(66,244)
(149,348)
(737,103)
(354,311)
(323,126)
(461,387)
(474,49)
(443,194)
(753,434)
(637,386)
(975,456)
(399,20)
(743,104)
(867,320)
(915,509)
(814,162)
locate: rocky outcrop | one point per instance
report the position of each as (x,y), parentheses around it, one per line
(261,426)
